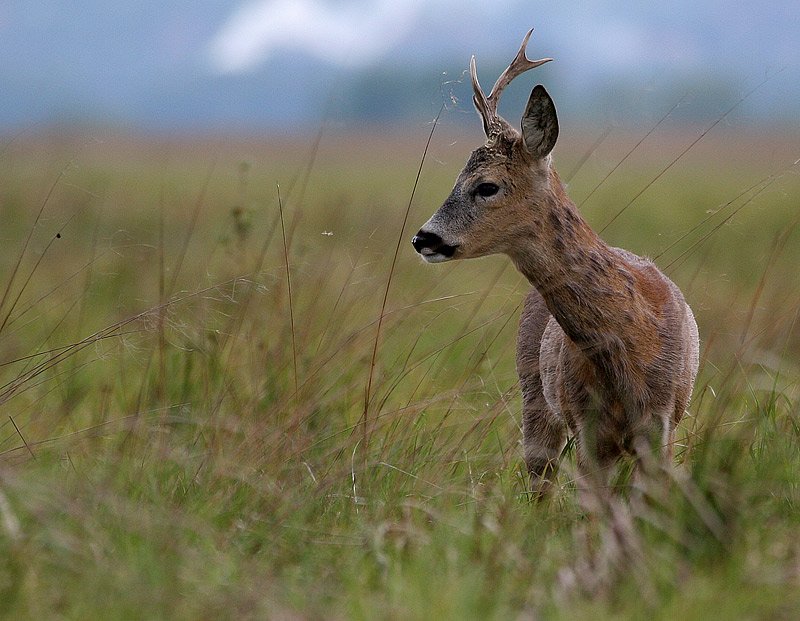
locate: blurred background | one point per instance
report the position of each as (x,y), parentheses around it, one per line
(225,374)
(285,65)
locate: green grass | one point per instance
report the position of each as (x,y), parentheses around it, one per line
(157,462)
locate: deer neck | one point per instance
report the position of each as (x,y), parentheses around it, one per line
(585,285)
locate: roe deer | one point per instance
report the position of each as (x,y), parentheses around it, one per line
(607,346)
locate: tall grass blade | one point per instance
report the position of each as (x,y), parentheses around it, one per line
(368,389)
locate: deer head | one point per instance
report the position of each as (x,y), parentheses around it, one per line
(496,194)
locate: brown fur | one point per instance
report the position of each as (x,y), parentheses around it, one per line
(607,347)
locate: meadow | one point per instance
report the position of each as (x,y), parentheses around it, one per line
(231,390)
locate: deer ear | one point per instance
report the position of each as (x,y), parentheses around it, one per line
(539,123)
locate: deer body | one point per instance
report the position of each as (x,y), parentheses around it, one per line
(607,346)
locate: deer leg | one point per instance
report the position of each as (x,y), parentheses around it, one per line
(544,432)
(598,453)
(544,435)
(654,449)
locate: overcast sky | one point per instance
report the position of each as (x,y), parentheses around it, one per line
(265,61)
(346,34)
(362,32)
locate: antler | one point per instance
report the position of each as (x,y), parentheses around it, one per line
(487,106)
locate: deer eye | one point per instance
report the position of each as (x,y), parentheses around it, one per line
(486,189)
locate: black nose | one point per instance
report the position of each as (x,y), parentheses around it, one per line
(423,239)
(432,244)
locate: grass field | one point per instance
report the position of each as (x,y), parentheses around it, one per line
(189,431)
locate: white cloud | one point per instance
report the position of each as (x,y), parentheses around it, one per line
(351,34)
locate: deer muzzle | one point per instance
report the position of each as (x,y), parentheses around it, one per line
(432,248)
